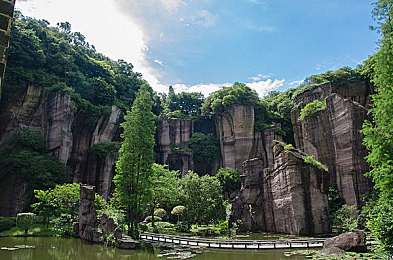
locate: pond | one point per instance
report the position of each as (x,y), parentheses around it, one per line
(70,248)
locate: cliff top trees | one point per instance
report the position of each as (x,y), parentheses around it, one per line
(134,166)
(238,94)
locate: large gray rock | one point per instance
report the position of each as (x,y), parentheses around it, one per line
(354,241)
(288,197)
(88,215)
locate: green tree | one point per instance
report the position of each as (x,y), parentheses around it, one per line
(202,198)
(205,149)
(134,166)
(165,188)
(229,179)
(378,135)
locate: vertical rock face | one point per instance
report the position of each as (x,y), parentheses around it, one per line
(88,216)
(173,136)
(67,137)
(235,130)
(332,136)
(288,197)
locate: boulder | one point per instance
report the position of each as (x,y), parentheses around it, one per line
(354,241)
(107,224)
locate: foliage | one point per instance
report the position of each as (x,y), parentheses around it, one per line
(182,226)
(202,197)
(27,158)
(346,219)
(304,88)
(238,94)
(134,166)
(378,135)
(64,224)
(150,218)
(62,200)
(288,147)
(204,148)
(160,213)
(178,210)
(102,150)
(310,159)
(274,111)
(312,108)
(59,59)
(183,105)
(28,139)
(7,223)
(380,222)
(229,179)
(25,220)
(334,200)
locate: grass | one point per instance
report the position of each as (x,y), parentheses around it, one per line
(37,230)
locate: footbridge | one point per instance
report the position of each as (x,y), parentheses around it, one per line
(235,244)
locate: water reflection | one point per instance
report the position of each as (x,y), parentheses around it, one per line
(63,248)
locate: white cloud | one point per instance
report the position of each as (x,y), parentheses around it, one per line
(159,62)
(296,82)
(261,87)
(204,18)
(260,77)
(264,87)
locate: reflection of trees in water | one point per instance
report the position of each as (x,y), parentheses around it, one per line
(69,248)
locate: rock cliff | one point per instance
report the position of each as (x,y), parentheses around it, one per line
(290,196)
(332,136)
(67,137)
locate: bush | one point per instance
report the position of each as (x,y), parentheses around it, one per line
(310,159)
(182,226)
(160,213)
(64,224)
(150,218)
(346,219)
(7,223)
(288,147)
(162,224)
(25,220)
(312,108)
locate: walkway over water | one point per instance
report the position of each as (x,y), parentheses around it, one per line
(235,244)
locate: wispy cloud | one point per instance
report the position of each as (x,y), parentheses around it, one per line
(261,87)
(251,25)
(159,62)
(259,77)
(296,82)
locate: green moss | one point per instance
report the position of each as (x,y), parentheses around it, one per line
(310,159)
(288,147)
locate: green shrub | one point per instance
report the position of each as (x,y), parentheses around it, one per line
(64,224)
(162,224)
(25,220)
(160,213)
(345,219)
(182,226)
(150,218)
(102,150)
(7,223)
(310,159)
(312,108)
(288,147)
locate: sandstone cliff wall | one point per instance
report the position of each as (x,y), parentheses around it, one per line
(332,136)
(67,137)
(290,196)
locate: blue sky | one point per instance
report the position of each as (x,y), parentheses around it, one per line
(203,45)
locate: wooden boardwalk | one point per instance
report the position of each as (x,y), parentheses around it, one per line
(235,244)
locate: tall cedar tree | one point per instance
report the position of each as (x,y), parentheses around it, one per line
(134,166)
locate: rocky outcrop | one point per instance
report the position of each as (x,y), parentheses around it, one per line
(172,144)
(235,131)
(332,136)
(87,226)
(67,134)
(354,241)
(290,196)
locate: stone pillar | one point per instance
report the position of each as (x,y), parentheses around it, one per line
(88,215)
(6,13)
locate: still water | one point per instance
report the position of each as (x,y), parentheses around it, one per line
(69,248)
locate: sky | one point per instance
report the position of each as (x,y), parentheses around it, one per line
(204,45)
